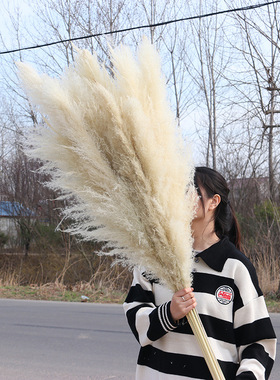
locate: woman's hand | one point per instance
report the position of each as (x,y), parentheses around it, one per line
(182,303)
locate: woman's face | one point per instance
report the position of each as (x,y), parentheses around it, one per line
(205,205)
(200,207)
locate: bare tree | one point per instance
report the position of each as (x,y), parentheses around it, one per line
(207,63)
(260,88)
(59,20)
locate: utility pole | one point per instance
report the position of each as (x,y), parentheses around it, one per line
(273,89)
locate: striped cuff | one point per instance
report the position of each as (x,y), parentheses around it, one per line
(165,317)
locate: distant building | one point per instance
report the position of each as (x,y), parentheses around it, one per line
(9,213)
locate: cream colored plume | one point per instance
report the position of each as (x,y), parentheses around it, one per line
(112,145)
(112,148)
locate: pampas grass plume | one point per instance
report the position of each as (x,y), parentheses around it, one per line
(111,143)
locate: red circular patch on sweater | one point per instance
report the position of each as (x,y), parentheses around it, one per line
(224,294)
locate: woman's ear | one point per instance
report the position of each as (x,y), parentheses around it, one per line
(215,201)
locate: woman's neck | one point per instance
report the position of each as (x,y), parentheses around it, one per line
(204,236)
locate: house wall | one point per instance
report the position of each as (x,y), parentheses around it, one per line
(8,226)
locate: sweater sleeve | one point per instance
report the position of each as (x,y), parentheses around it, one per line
(147,321)
(254,333)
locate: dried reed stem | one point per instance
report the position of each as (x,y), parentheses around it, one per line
(201,336)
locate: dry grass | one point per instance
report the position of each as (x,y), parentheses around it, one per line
(52,277)
(83,292)
(267,265)
(268,270)
(49,278)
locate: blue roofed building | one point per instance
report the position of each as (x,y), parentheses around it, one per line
(10,212)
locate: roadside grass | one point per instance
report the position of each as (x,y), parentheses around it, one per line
(93,279)
(77,293)
(81,279)
(58,292)
(273,302)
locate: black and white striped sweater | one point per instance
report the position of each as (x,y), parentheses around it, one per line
(233,312)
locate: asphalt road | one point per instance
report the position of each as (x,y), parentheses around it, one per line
(53,340)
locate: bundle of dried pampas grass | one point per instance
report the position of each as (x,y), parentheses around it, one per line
(112,145)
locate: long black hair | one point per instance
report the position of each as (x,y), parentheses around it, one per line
(225,220)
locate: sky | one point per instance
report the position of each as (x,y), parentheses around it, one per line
(188,124)
(10,5)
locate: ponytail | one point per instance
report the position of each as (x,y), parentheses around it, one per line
(225,222)
(234,233)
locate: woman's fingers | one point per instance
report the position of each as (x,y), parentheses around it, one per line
(182,303)
(185,294)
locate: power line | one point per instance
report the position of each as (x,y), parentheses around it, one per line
(141,27)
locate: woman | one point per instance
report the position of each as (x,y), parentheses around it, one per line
(225,293)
